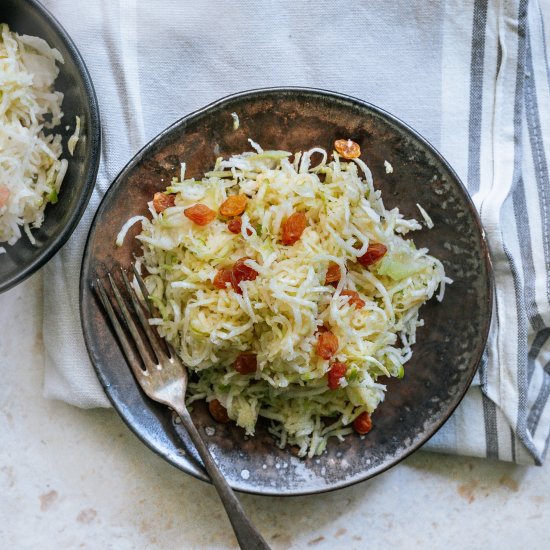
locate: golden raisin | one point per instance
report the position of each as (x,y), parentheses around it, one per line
(347,148)
(327,344)
(293,227)
(363,423)
(333,273)
(233,206)
(235,226)
(162,201)
(218,411)
(354,298)
(200,214)
(337,371)
(223,276)
(241,272)
(374,252)
(246,363)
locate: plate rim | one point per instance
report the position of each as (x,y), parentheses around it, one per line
(254,93)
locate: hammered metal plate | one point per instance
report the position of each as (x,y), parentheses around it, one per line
(449,346)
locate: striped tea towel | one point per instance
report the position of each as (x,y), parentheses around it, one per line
(472,76)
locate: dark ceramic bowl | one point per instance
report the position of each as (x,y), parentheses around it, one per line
(449,346)
(24,258)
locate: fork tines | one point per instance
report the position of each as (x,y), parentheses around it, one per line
(149,346)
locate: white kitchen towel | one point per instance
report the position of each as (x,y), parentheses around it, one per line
(471,76)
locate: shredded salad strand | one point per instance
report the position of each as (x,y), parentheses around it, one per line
(31,167)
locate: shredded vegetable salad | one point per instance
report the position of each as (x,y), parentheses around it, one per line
(287,288)
(31,167)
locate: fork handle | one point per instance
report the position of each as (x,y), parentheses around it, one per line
(247,535)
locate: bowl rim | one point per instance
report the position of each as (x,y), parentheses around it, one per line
(94,124)
(86,278)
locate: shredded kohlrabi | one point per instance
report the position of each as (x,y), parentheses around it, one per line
(278,316)
(31,167)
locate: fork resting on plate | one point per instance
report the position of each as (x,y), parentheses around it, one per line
(164,379)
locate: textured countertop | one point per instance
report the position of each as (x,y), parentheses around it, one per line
(72,478)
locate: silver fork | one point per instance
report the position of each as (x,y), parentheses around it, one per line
(165,380)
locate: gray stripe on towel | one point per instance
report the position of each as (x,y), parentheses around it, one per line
(476,93)
(543,186)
